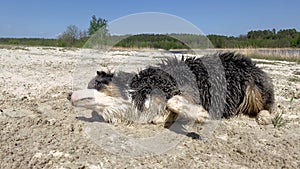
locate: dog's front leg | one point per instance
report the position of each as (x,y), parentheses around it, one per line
(180,105)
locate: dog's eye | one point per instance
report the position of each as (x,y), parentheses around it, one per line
(105,82)
(97,82)
(100,84)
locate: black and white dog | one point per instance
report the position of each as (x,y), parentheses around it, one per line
(213,86)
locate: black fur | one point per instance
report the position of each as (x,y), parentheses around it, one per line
(206,82)
(100,81)
(152,80)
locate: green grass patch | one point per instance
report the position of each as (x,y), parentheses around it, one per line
(278,121)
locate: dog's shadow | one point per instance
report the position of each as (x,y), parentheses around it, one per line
(173,126)
(96,117)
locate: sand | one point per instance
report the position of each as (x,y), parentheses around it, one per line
(39,128)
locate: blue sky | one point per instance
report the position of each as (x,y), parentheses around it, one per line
(41,18)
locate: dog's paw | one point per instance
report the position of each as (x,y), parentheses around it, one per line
(182,107)
(176,103)
(264,117)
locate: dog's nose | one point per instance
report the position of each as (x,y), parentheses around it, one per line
(69,95)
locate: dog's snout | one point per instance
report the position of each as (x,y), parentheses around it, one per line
(69,96)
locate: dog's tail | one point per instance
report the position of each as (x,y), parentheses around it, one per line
(252,103)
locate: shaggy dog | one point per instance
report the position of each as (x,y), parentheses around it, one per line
(214,86)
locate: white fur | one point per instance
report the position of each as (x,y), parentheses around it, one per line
(183,107)
(117,109)
(91,98)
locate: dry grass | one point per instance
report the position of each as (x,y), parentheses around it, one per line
(276,58)
(294,79)
(280,54)
(13,47)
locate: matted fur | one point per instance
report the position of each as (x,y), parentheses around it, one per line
(247,89)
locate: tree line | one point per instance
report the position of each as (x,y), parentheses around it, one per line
(74,37)
(71,37)
(284,38)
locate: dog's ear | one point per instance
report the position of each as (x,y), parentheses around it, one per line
(101,73)
(104,74)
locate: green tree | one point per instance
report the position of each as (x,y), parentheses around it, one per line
(287,33)
(274,31)
(70,36)
(96,24)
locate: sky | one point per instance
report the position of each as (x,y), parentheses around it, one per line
(49,18)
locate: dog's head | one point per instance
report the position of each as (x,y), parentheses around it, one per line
(98,92)
(101,82)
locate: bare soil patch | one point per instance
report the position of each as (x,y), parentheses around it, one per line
(39,129)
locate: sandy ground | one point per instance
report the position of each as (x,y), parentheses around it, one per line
(39,128)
